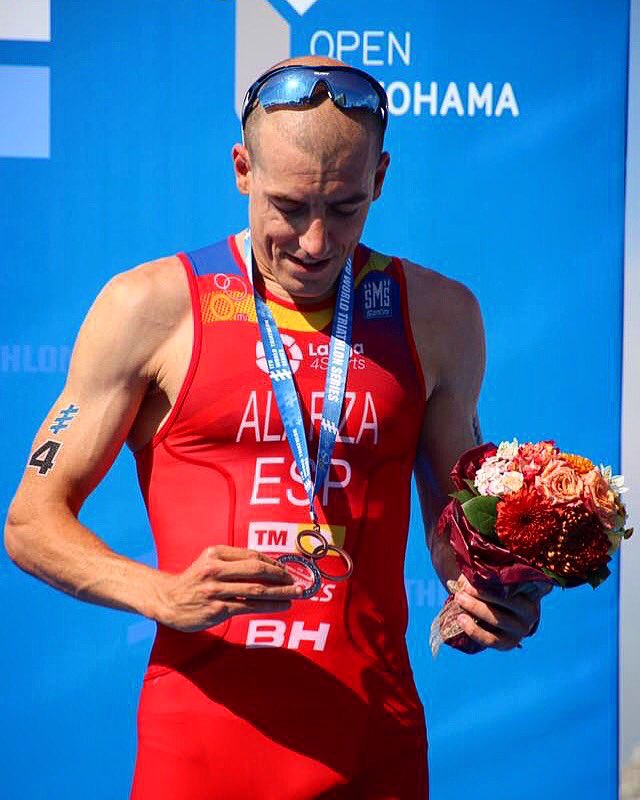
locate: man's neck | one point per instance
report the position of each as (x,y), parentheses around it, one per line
(271,284)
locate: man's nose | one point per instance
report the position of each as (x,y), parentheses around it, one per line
(315,241)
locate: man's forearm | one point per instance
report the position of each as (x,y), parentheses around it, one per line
(433,501)
(54,546)
(442,555)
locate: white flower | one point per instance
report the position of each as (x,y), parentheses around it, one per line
(508,450)
(489,479)
(616,482)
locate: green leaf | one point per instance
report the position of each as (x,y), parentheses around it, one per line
(481,513)
(463,495)
(472,487)
(555,577)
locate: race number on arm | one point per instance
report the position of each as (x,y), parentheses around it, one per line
(114,361)
(133,347)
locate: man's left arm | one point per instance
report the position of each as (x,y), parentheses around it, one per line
(447,325)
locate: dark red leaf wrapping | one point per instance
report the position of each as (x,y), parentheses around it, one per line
(487,565)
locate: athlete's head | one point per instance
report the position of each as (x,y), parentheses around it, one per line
(311,174)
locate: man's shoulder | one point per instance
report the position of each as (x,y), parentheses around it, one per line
(435,292)
(153,293)
(446,322)
(159,280)
(137,313)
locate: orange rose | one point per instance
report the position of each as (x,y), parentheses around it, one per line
(559,482)
(599,497)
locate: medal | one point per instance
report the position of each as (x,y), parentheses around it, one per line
(321,550)
(304,573)
(289,406)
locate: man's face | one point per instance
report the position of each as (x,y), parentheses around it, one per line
(308,204)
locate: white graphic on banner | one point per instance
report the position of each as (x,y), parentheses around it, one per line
(25,20)
(24,90)
(373,48)
(302,6)
(26,358)
(24,111)
(263,38)
(405,98)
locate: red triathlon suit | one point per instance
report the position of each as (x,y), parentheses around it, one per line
(318,701)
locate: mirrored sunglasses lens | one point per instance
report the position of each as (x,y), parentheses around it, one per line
(287,90)
(353,91)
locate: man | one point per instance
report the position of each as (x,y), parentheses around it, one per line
(255,687)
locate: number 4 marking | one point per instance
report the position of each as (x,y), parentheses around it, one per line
(44,456)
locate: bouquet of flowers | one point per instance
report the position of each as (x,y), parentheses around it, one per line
(525,518)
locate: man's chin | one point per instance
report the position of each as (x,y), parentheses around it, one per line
(308,281)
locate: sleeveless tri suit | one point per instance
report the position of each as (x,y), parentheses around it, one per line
(318,701)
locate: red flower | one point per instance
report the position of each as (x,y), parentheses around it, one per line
(525,522)
(568,540)
(582,545)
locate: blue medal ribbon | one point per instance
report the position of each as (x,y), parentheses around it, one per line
(284,386)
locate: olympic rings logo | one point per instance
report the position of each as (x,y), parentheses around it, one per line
(230,285)
(228,292)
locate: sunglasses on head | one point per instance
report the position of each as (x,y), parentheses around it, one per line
(296,85)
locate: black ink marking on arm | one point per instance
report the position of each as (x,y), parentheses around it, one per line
(44,456)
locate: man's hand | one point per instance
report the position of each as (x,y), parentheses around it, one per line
(493,621)
(223,582)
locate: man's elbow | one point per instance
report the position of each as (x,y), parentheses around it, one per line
(15,531)
(23,534)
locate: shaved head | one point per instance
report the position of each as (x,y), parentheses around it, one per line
(320,128)
(311,173)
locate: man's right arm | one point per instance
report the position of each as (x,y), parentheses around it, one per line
(116,356)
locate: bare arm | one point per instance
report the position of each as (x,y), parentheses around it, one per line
(449,332)
(108,377)
(118,353)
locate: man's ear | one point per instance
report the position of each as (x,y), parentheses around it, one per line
(381,171)
(241,167)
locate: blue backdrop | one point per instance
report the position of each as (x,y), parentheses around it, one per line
(507,142)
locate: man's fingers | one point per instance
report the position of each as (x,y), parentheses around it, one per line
(250,569)
(255,591)
(497,640)
(225,552)
(227,563)
(517,604)
(504,620)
